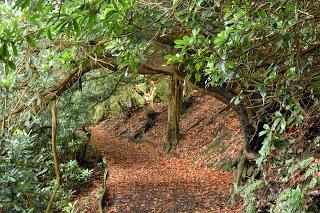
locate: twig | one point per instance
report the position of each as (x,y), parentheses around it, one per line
(111,93)
(148,25)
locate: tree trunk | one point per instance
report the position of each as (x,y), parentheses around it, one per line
(55,157)
(174,112)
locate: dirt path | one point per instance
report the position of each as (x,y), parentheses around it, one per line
(143,179)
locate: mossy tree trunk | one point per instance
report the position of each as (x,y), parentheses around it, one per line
(174,112)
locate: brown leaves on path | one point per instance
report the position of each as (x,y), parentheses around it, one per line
(144,179)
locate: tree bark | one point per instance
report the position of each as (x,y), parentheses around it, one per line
(174,112)
(55,156)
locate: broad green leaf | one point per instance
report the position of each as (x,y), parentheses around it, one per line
(263,132)
(5,50)
(292,71)
(1,52)
(14,49)
(12,65)
(266,126)
(222,66)
(11,179)
(174,58)
(283,124)
(175,3)
(184,41)
(91,20)
(198,66)
(49,34)
(220,38)
(61,26)
(31,41)
(22,4)
(110,13)
(275,124)
(76,26)
(262,13)
(278,114)
(69,28)
(26,4)
(115,4)
(8,81)
(197,76)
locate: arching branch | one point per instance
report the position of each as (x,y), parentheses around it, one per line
(153,64)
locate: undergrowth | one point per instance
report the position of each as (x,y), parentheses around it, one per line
(289,167)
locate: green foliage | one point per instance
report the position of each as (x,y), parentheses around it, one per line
(289,201)
(22,168)
(247,192)
(264,52)
(71,208)
(274,132)
(72,173)
(162,90)
(26,168)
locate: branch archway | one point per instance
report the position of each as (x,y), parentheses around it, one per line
(154,64)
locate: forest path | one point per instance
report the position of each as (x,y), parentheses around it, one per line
(142,178)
